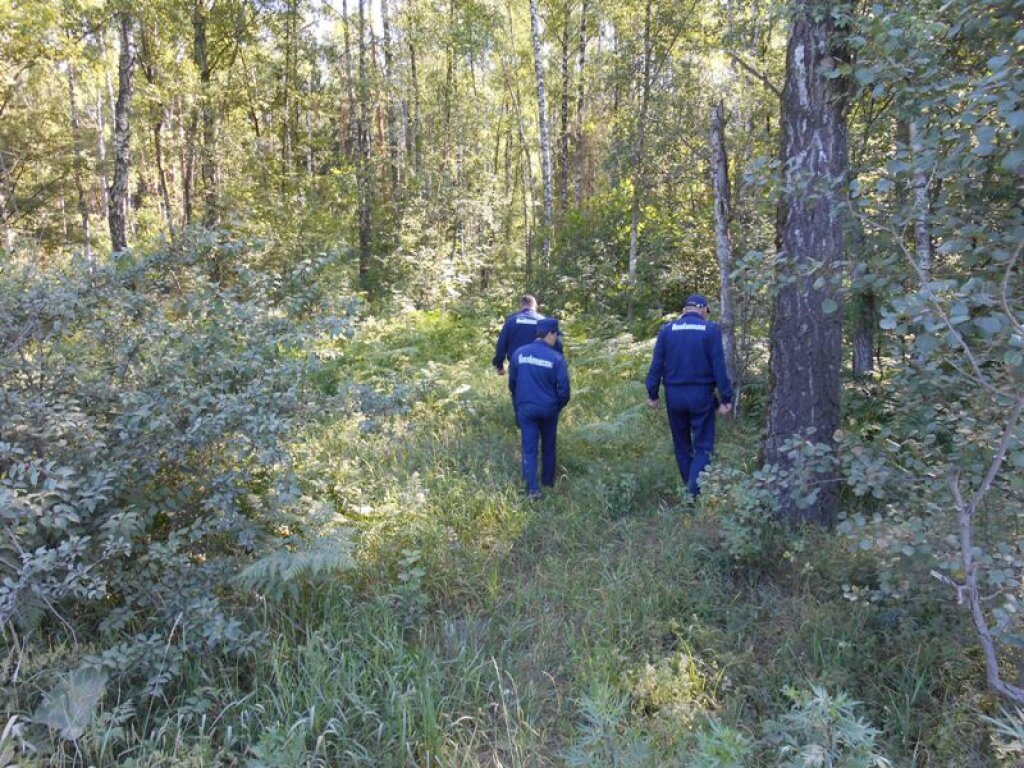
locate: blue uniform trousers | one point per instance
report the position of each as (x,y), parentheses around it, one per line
(538,422)
(691,416)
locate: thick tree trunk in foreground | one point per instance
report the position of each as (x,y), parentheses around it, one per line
(806,334)
(117,194)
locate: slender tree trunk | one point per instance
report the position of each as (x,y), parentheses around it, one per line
(207,118)
(117,194)
(723,241)
(563,135)
(148,65)
(545,139)
(363,183)
(639,179)
(80,163)
(415,145)
(389,102)
(806,333)
(579,150)
(922,203)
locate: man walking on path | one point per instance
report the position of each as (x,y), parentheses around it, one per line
(690,360)
(520,328)
(538,379)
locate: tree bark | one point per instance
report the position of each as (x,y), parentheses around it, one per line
(638,163)
(545,139)
(723,241)
(80,162)
(563,136)
(806,333)
(922,203)
(389,102)
(363,182)
(577,138)
(149,69)
(208,146)
(864,334)
(117,194)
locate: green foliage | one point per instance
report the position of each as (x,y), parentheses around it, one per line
(719,746)
(145,417)
(822,730)
(603,739)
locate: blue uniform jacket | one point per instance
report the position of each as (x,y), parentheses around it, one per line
(538,376)
(689,351)
(519,329)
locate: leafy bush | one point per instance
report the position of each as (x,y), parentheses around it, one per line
(144,422)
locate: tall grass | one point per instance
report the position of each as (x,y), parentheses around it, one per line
(603,625)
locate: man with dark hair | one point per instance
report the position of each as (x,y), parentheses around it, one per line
(690,360)
(520,328)
(538,379)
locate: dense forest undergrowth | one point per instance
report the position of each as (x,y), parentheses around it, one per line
(342,568)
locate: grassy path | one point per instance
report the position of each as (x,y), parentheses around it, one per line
(602,625)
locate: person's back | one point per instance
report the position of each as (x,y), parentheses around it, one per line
(519,328)
(691,352)
(538,377)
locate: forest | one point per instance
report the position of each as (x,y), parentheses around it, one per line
(261,501)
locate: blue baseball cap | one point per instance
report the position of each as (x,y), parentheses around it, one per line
(696,300)
(546,326)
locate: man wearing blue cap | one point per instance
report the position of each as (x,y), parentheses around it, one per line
(538,379)
(520,328)
(690,360)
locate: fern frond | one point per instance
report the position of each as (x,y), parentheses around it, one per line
(286,569)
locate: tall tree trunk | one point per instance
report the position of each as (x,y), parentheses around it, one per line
(639,179)
(578,146)
(80,163)
(149,69)
(415,141)
(363,182)
(389,102)
(545,139)
(806,333)
(922,203)
(352,126)
(117,194)
(563,135)
(723,241)
(207,117)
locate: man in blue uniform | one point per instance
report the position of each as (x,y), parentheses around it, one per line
(538,379)
(690,360)
(520,328)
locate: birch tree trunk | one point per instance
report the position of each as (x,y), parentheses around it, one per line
(545,139)
(638,163)
(922,203)
(117,194)
(806,332)
(723,241)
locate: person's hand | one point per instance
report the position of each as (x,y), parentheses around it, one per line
(653,404)
(500,371)
(724,408)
